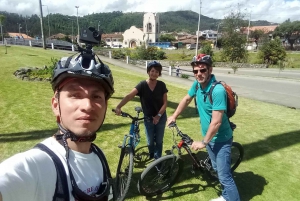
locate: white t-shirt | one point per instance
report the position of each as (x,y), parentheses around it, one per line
(31,175)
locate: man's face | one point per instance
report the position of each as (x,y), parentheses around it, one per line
(81,107)
(202,73)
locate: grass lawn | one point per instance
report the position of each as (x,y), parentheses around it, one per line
(269,133)
(187,55)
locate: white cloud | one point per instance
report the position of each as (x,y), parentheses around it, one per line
(270,10)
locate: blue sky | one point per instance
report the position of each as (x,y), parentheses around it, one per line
(271,10)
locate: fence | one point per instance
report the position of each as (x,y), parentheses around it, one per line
(53,44)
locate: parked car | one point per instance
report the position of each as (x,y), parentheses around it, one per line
(192,46)
(117,46)
(171,48)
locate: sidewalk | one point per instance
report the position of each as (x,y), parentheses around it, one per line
(142,69)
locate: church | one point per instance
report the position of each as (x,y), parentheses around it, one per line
(134,36)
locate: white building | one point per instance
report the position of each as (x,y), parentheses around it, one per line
(148,34)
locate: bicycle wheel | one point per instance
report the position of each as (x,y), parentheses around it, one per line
(124,173)
(160,175)
(237,154)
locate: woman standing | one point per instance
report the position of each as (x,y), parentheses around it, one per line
(153,97)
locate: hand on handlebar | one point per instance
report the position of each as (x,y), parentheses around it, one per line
(197,145)
(117,111)
(170,120)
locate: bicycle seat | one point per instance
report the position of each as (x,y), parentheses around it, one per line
(138,109)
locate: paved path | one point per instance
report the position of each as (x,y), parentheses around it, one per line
(268,89)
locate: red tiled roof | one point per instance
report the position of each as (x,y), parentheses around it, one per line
(265,29)
(11,34)
(112,36)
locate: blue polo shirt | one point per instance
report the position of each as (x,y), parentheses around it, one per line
(205,108)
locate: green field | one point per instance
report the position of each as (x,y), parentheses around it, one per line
(269,133)
(186,55)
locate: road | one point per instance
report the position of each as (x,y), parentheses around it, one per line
(258,84)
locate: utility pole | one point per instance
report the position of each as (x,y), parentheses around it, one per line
(77,25)
(198,30)
(217,36)
(48,20)
(98,25)
(1,31)
(72,28)
(26,26)
(248,28)
(42,26)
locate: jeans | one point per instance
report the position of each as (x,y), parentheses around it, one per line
(219,153)
(155,135)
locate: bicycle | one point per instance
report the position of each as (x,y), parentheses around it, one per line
(125,166)
(163,173)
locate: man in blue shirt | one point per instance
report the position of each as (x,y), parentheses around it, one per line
(216,130)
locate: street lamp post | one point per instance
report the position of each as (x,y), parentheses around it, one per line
(72,28)
(77,25)
(48,20)
(42,24)
(217,36)
(248,27)
(19,27)
(26,27)
(198,30)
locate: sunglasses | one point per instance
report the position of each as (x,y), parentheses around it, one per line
(201,71)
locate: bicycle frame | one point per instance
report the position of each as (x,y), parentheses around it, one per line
(133,138)
(185,143)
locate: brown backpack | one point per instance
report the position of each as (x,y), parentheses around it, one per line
(232,98)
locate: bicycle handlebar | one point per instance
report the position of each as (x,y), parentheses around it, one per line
(124,114)
(187,139)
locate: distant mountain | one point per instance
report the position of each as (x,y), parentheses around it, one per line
(111,22)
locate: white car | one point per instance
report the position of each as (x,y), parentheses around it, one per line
(171,48)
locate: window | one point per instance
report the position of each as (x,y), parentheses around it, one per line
(149,27)
(114,40)
(107,40)
(125,43)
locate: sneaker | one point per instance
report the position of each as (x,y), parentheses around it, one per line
(218,199)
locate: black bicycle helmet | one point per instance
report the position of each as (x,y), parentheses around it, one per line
(202,58)
(154,64)
(83,67)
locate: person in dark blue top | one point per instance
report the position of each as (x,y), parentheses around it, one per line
(216,130)
(153,97)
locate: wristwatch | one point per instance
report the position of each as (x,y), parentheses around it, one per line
(159,115)
(205,143)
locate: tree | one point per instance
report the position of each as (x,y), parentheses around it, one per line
(272,52)
(289,31)
(206,48)
(233,41)
(256,34)
(167,38)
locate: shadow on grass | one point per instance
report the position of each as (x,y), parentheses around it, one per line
(26,136)
(271,144)
(248,183)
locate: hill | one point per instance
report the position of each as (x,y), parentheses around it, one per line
(110,22)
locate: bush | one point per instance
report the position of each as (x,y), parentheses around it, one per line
(150,53)
(272,51)
(45,72)
(118,54)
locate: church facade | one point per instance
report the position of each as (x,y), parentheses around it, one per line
(150,32)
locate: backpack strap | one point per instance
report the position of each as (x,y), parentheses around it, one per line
(61,190)
(211,90)
(106,170)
